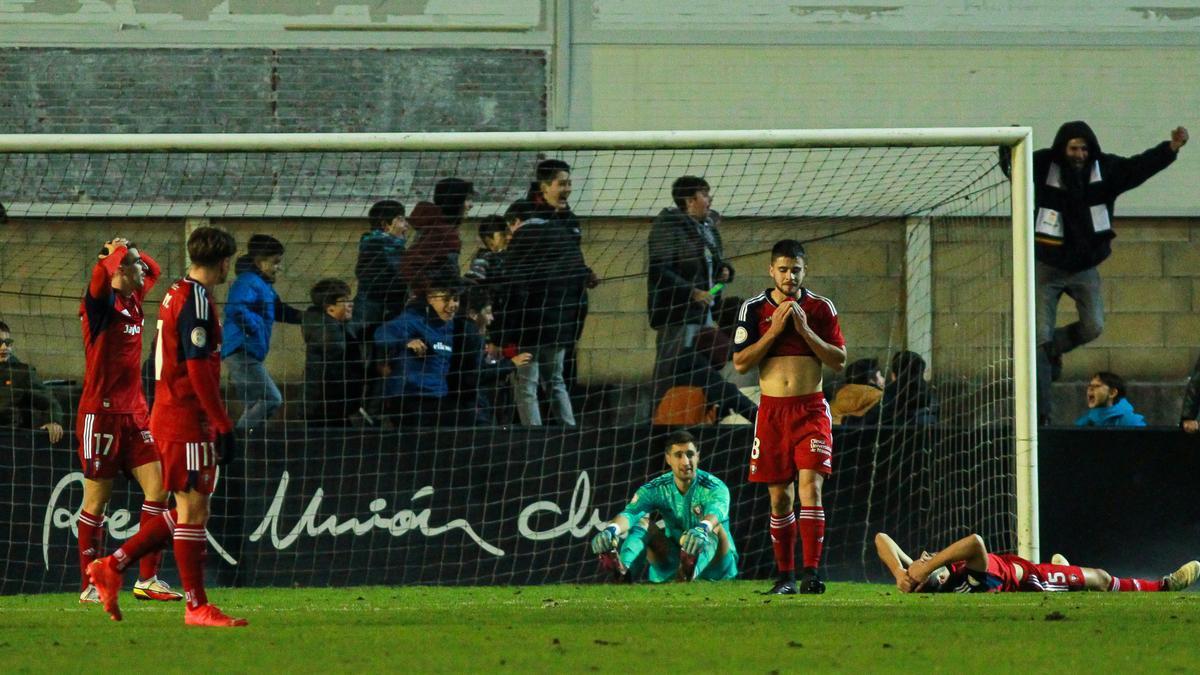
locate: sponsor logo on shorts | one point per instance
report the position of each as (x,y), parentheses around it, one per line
(819,446)
(146,437)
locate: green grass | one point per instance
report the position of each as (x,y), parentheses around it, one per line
(699,627)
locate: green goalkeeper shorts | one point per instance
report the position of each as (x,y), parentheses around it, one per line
(721,569)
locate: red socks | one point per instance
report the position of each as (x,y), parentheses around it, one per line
(91,543)
(1128,585)
(149,563)
(783,539)
(812,534)
(151,537)
(190,550)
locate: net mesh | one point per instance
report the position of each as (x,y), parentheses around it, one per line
(913,245)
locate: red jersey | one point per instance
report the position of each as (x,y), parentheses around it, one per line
(112,340)
(187,367)
(754,319)
(1001,576)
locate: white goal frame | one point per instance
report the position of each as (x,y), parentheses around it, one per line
(1019,139)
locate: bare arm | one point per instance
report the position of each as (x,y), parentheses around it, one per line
(830,355)
(896,560)
(970,549)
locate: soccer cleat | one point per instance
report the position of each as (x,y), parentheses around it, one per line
(107,581)
(611,565)
(89,595)
(155,589)
(782,587)
(1183,577)
(687,567)
(810,583)
(209,615)
(1058,559)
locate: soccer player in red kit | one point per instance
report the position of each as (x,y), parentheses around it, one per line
(192,427)
(113,424)
(966,566)
(790,333)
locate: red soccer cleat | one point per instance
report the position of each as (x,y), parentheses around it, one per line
(687,567)
(108,584)
(209,615)
(611,566)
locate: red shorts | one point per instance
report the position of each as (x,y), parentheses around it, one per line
(112,442)
(189,466)
(790,434)
(1059,577)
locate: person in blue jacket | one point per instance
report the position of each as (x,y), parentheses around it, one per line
(251,311)
(417,348)
(1107,405)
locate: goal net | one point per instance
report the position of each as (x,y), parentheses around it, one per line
(910,233)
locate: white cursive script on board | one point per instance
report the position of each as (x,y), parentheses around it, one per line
(577,523)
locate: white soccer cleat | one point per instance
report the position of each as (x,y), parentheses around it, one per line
(89,595)
(155,589)
(1183,577)
(1059,559)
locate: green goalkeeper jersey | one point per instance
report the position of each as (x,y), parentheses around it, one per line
(681,512)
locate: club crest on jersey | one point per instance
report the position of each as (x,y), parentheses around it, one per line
(697,510)
(199,337)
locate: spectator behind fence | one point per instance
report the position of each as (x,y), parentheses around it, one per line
(381,293)
(25,402)
(251,311)
(1107,405)
(334,359)
(477,369)
(488,262)
(687,267)
(435,252)
(416,349)
(1191,402)
(1075,187)
(907,397)
(860,393)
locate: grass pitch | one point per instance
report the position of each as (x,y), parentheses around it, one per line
(707,627)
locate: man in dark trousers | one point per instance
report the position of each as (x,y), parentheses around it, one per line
(1075,187)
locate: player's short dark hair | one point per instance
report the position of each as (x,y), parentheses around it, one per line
(263,246)
(478,297)
(685,187)
(4,328)
(548,169)
(383,212)
(788,248)
(861,371)
(490,226)
(679,437)
(519,210)
(908,366)
(1112,381)
(208,246)
(326,292)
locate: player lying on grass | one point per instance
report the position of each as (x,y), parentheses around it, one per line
(966,567)
(694,506)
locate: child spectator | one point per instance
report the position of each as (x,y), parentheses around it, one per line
(488,263)
(907,397)
(1107,405)
(435,253)
(381,293)
(334,363)
(860,393)
(477,368)
(416,348)
(250,314)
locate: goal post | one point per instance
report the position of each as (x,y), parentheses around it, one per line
(936,193)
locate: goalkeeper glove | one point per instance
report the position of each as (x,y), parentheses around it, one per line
(606,540)
(226,447)
(694,540)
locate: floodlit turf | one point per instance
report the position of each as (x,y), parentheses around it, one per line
(698,627)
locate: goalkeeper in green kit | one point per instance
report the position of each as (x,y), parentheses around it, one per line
(693,505)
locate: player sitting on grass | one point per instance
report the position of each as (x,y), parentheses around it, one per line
(694,505)
(966,567)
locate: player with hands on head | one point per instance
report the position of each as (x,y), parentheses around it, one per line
(192,427)
(790,334)
(113,425)
(966,566)
(694,508)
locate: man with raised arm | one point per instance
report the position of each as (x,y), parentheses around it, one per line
(694,506)
(790,333)
(966,567)
(192,427)
(114,421)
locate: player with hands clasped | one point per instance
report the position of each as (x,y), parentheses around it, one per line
(694,508)
(966,566)
(790,333)
(192,428)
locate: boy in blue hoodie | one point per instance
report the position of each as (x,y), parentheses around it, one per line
(1107,404)
(416,349)
(251,311)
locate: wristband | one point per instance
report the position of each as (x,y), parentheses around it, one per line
(616,529)
(707,525)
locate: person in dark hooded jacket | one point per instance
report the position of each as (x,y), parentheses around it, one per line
(334,359)
(435,253)
(1075,187)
